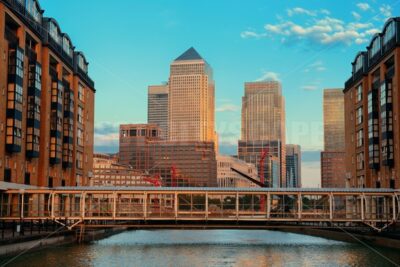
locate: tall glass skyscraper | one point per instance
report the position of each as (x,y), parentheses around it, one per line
(191,99)
(157,108)
(263,127)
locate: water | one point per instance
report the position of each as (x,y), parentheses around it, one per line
(210,248)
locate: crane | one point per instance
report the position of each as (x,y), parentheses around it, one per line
(155,180)
(173,176)
(264,154)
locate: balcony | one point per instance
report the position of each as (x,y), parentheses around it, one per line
(31,54)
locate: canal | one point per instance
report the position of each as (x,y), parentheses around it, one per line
(210,248)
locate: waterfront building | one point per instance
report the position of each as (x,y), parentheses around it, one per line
(191,99)
(47,101)
(372,109)
(332,157)
(226,177)
(108,172)
(178,163)
(263,126)
(293,165)
(157,108)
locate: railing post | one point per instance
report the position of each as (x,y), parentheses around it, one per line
(52,205)
(362,208)
(145,205)
(394,207)
(299,204)
(268,205)
(22,204)
(114,204)
(206,205)
(176,205)
(331,206)
(237,205)
(83,205)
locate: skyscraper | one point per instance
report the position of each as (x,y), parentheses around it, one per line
(293,165)
(263,125)
(332,158)
(157,108)
(333,120)
(191,99)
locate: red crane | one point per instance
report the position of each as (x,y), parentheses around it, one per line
(264,154)
(174,175)
(155,180)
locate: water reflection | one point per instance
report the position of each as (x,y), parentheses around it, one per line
(209,248)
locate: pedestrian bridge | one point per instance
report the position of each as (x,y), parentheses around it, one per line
(131,206)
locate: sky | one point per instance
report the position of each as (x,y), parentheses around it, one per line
(306,45)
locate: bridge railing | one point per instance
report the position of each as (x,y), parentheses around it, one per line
(371,207)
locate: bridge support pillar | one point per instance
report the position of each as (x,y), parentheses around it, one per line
(331,203)
(268,205)
(206,203)
(176,205)
(237,205)
(299,205)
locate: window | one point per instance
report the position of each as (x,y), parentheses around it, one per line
(33,10)
(360,138)
(359,62)
(376,47)
(132,132)
(67,47)
(53,31)
(390,32)
(79,137)
(359,115)
(81,92)
(360,161)
(359,92)
(80,115)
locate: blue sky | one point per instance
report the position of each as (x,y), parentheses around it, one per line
(307,45)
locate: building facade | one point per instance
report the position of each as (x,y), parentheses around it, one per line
(157,108)
(251,152)
(228,178)
(108,172)
(191,99)
(263,124)
(372,107)
(178,163)
(293,165)
(332,157)
(47,103)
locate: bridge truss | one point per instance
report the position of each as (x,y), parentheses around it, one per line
(130,206)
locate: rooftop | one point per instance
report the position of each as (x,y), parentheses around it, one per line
(190,54)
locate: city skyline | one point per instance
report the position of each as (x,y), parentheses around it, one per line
(304,64)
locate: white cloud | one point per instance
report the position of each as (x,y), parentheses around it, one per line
(111,139)
(386,11)
(356,15)
(227,108)
(323,31)
(269,75)
(325,12)
(300,10)
(364,6)
(251,34)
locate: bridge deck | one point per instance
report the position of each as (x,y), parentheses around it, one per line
(113,204)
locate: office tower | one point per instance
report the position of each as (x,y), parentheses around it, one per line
(157,108)
(47,104)
(372,111)
(263,126)
(293,165)
(332,157)
(177,163)
(191,99)
(333,120)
